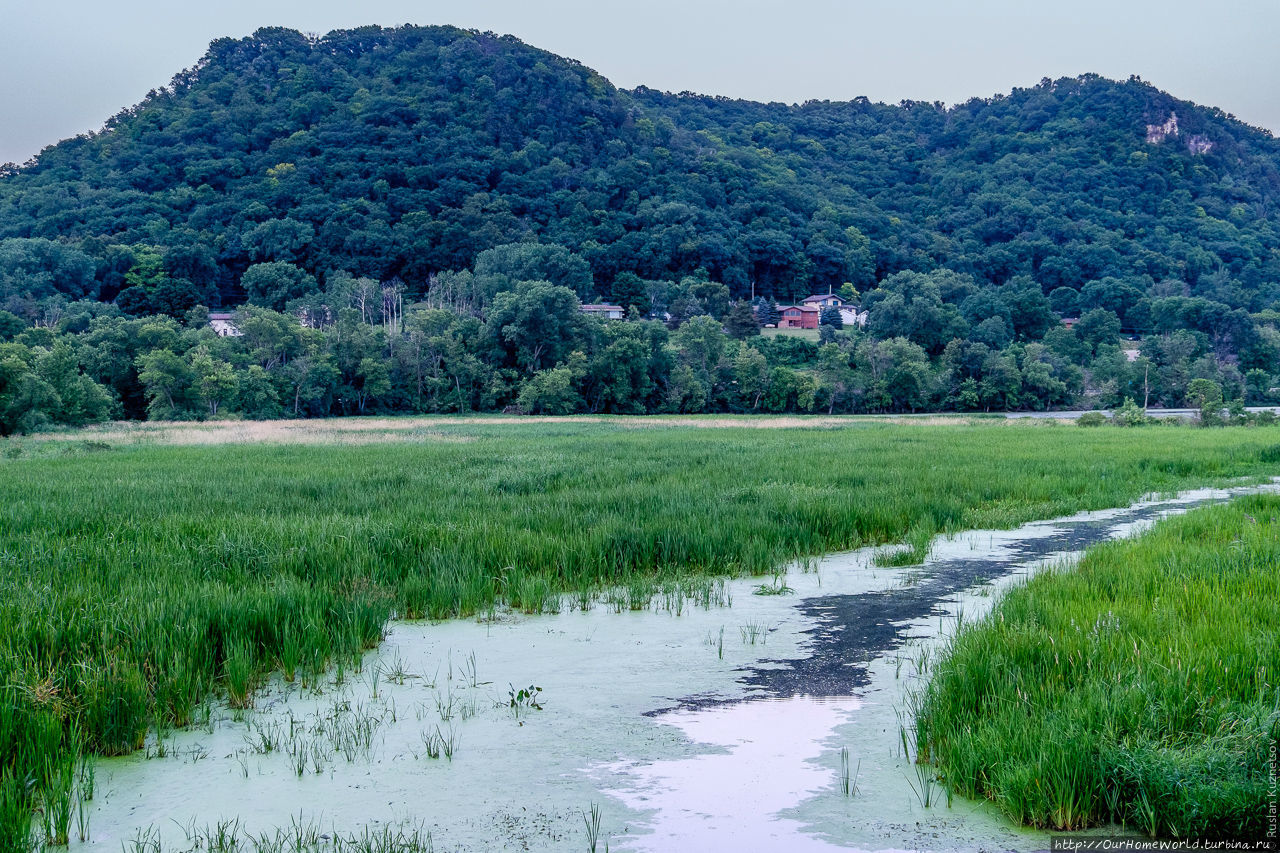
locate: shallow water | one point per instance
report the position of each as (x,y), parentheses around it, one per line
(718,728)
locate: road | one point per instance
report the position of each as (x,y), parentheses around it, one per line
(1155,413)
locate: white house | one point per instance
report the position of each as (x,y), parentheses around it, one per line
(609,312)
(223,324)
(851,316)
(824,300)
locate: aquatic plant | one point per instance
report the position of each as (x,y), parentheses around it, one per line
(778,587)
(848,781)
(59,804)
(230,836)
(592,822)
(524,699)
(754,631)
(448,742)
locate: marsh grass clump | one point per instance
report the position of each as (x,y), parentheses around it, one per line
(777,587)
(1136,688)
(592,821)
(918,545)
(230,836)
(848,778)
(139,583)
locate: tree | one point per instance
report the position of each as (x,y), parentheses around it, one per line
(168,381)
(274,284)
(512,263)
(630,291)
(740,322)
(534,326)
(910,305)
(33,269)
(831,317)
(751,374)
(1030,311)
(25,399)
(895,374)
(258,398)
(700,343)
(1206,395)
(46,386)
(311,380)
(215,380)
(839,378)
(10,325)
(278,240)
(1097,328)
(769,314)
(550,392)
(371,382)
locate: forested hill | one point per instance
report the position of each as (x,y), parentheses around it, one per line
(400,153)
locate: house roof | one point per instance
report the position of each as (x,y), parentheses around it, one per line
(822,297)
(600,306)
(797,308)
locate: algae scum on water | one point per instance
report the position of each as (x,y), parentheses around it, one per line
(140,583)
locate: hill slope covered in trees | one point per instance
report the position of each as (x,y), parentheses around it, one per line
(283,169)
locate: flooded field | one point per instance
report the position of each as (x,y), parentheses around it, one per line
(766,714)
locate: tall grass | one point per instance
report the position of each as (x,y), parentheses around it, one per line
(1137,688)
(136,582)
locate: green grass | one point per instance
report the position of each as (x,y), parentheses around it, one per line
(806,334)
(137,582)
(1137,688)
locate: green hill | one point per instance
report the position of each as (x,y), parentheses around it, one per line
(404,152)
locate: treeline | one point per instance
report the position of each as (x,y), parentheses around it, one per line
(510,335)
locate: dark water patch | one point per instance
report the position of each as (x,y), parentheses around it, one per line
(852,630)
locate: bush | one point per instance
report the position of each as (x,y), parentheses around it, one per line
(1130,414)
(1091,419)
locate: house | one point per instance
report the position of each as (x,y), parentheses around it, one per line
(823,300)
(223,324)
(609,312)
(798,316)
(1070,322)
(851,316)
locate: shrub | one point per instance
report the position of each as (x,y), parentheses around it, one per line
(1130,415)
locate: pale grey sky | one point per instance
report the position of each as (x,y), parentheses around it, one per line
(68,65)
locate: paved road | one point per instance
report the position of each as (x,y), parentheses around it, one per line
(1155,413)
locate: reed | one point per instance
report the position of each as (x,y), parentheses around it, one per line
(1135,688)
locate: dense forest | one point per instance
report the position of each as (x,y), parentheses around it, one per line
(408,219)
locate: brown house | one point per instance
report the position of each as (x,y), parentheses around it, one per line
(798,317)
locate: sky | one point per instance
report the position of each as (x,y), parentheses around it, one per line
(68,65)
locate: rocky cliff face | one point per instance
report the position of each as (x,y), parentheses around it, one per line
(1196,143)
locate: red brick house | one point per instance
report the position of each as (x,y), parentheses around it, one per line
(798,317)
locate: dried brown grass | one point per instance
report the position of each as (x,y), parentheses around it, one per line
(427,429)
